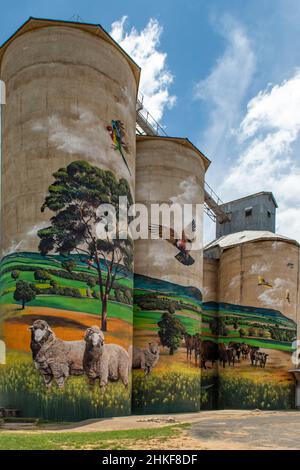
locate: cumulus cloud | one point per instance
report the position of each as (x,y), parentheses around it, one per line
(225,87)
(268,142)
(143,47)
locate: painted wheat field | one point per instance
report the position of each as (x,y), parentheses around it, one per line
(241,386)
(70,305)
(175,384)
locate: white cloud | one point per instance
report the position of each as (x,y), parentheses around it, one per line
(268,141)
(143,47)
(225,87)
(255,146)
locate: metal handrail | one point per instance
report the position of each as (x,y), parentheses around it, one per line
(213,194)
(147,125)
(147,117)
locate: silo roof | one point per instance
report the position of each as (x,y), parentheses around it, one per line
(180,140)
(252,196)
(247,236)
(96,29)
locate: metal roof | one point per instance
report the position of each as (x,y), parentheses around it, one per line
(252,196)
(247,236)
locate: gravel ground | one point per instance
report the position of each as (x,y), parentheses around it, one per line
(210,430)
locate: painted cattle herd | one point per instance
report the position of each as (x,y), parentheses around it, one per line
(230,354)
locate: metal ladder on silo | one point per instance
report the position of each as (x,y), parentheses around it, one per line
(147,125)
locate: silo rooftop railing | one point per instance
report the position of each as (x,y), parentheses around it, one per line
(146,124)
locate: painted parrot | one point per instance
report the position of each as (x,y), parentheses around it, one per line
(117,134)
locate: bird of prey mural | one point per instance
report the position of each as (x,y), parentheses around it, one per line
(117,135)
(180,242)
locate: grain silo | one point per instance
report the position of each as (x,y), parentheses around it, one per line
(259,269)
(65,83)
(258,313)
(168,283)
(68,143)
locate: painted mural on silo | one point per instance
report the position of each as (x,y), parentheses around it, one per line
(66,293)
(210,353)
(256,312)
(168,280)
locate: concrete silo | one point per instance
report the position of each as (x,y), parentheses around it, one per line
(68,137)
(258,306)
(65,83)
(167,287)
(210,279)
(259,269)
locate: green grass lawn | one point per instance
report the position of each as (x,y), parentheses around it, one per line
(112,440)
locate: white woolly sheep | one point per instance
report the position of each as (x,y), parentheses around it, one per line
(53,357)
(104,361)
(145,359)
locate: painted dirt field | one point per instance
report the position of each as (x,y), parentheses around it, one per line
(243,385)
(66,325)
(275,371)
(20,384)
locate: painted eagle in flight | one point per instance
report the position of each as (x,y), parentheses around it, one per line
(181,243)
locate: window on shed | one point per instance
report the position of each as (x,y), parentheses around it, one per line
(248,211)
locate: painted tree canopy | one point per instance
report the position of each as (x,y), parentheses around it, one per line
(75,196)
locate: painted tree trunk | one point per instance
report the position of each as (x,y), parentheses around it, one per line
(104,313)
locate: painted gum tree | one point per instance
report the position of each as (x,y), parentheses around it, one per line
(74,197)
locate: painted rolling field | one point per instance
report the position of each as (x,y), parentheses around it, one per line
(84,304)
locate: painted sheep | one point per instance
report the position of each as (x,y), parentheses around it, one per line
(54,358)
(145,359)
(104,361)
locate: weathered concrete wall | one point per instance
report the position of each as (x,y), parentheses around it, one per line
(210,279)
(168,171)
(261,274)
(64,86)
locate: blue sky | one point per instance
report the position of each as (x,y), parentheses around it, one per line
(225,73)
